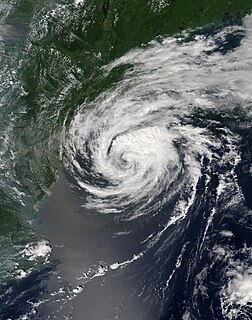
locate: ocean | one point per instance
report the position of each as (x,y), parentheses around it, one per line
(125,162)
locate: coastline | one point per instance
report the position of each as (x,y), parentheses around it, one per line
(86,249)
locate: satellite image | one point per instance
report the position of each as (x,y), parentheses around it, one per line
(125,159)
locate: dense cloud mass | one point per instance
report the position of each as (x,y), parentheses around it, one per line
(137,140)
(151,212)
(159,138)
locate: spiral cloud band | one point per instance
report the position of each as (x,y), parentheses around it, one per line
(135,146)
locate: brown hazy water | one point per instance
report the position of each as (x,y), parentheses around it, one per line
(82,240)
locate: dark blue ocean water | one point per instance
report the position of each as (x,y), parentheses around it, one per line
(135,202)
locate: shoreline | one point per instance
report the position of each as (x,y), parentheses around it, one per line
(87,248)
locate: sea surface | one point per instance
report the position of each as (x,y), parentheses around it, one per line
(125,183)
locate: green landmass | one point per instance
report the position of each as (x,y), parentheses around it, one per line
(14,235)
(77,40)
(65,48)
(116,26)
(131,23)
